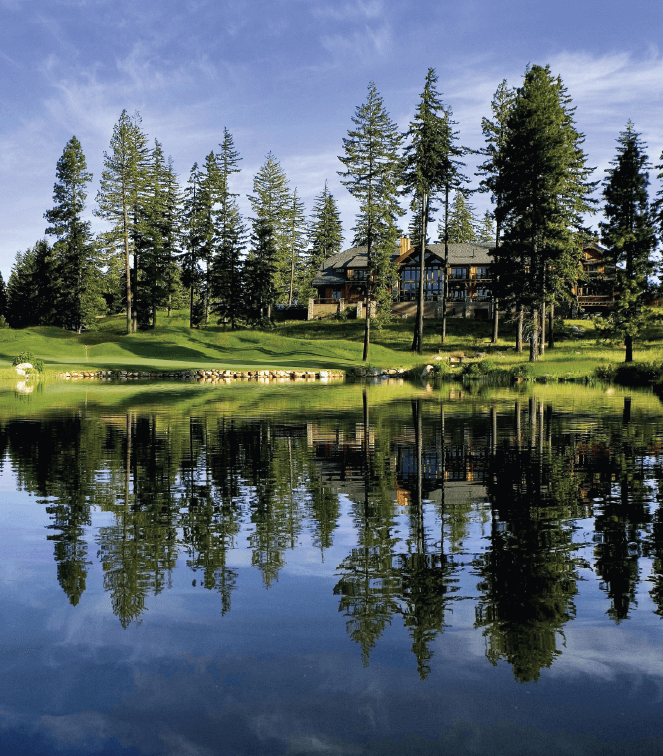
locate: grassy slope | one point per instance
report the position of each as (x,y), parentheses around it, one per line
(173,346)
(318,344)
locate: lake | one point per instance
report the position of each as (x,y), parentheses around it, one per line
(342,569)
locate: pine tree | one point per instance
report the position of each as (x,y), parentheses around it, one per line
(630,236)
(495,134)
(270,202)
(372,173)
(297,232)
(158,241)
(325,236)
(31,293)
(486,229)
(230,235)
(430,166)
(462,221)
(210,189)
(195,219)
(120,197)
(541,179)
(78,298)
(260,268)
(227,279)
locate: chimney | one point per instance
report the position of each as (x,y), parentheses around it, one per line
(405,245)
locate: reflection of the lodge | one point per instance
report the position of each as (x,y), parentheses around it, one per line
(435,489)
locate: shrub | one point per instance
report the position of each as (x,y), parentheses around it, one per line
(522,370)
(605,372)
(29,357)
(638,373)
(478,369)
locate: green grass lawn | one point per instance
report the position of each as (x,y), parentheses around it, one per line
(323,344)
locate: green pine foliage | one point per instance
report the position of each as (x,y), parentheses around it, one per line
(297,231)
(325,238)
(630,236)
(260,292)
(495,133)
(462,221)
(158,241)
(372,174)
(270,202)
(429,165)
(121,199)
(226,279)
(196,223)
(486,229)
(32,287)
(76,265)
(541,179)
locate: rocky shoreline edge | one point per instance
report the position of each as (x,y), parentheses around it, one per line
(207,376)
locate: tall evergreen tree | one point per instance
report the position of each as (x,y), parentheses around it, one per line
(226,270)
(371,175)
(158,241)
(630,236)
(495,134)
(31,292)
(325,235)
(120,197)
(78,295)
(297,232)
(227,279)
(270,202)
(210,189)
(486,229)
(541,179)
(430,165)
(462,221)
(259,280)
(196,228)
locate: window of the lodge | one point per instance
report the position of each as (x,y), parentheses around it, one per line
(459,272)
(482,272)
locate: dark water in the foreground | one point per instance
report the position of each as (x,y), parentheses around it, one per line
(191,571)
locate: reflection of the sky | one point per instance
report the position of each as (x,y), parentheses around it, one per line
(278,673)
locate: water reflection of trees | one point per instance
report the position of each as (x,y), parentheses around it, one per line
(196,489)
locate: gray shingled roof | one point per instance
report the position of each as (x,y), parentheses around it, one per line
(459,254)
(327,278)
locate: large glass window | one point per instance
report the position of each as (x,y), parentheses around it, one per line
(459,272)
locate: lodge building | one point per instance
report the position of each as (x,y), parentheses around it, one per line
(341,281)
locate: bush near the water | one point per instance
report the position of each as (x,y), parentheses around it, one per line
(36,363)
(638,373)
(478,369)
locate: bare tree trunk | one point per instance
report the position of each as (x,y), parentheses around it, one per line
(418,341)
(551,326)
(542,338)
(446,263)
(367,327)
(519,329)
(628,343)
(534,341)
(496,320)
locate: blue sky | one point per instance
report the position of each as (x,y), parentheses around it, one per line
(286,76)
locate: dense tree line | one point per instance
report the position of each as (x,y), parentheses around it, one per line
(169,246)
(172,246)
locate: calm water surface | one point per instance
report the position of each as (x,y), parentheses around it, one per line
(194,570)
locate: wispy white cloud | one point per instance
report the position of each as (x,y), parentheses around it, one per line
(361,9)
(364,44)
